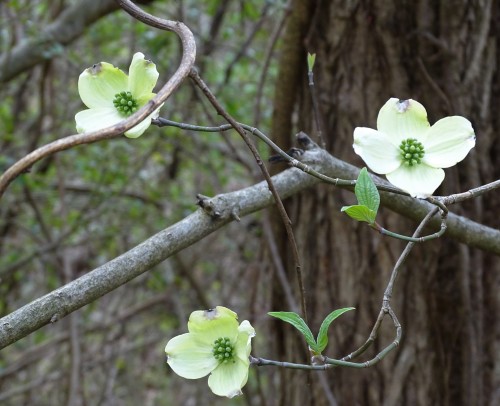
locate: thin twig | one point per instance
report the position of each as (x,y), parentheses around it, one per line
(444,215)
(439,201)
(161,122)
(279,204)
(329,363)
(278,264)
(404,255)
(386,308)
(316,112)
(460,197)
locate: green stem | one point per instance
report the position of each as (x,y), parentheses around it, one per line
(444,214)
(438,234)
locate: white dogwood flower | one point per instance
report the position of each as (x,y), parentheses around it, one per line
(215,345)
(112,96)
(408,150)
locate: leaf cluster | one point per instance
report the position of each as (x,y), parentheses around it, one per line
(316,345)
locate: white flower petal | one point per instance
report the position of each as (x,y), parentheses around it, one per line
(96,119)
(189,358)
(139,129)
(448,141)
(377,150)
(402,119)
(243,342)
(228,379)
(142,76)
(419,181)
(99,84)
(246,328)
(141,101)
(212,324)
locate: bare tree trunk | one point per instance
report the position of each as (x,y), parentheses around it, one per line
(443,54)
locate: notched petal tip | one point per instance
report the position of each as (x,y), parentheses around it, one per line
(98,68)
(219,311)
(95,69)
(210,314)
(234,393)
(402,105)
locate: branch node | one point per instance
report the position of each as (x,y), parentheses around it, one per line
(235,213)
(318,360)
(295,153)
(305,141)
(207,205)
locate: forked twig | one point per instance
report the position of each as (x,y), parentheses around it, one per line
(326,362)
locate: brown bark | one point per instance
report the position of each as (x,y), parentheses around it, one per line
(443,54)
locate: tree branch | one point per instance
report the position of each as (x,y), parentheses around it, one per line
(70,24)
(223,209)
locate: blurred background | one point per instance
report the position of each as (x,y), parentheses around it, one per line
(83,207)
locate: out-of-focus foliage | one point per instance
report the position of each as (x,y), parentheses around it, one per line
(81,208)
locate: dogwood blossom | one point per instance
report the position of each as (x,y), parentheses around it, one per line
(112,96)
(215,345)
(411,152)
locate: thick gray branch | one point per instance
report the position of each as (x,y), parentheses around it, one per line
(459,228)
(224,209)
(70,24)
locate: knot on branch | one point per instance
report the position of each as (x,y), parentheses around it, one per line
(55,317)
(305,141)
(217,211)
(305,144)
(318,360)
(293,152)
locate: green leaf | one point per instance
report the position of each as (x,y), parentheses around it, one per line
(323,330)
(295,320)
(311,58)
(366,191)
(360,213)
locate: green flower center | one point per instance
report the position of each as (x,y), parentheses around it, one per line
(125,103)
(412,152)
(223,350)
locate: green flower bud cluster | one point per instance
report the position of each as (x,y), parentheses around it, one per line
(412,152)
(125,103)
(223,350)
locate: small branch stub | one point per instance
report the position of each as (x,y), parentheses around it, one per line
(208,206)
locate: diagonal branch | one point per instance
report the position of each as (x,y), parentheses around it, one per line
(226,208)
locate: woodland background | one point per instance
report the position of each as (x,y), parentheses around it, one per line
(83,207)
